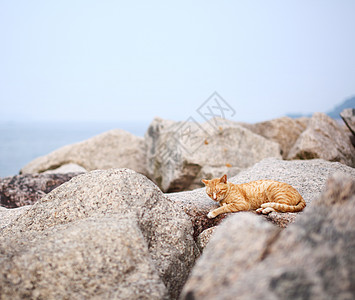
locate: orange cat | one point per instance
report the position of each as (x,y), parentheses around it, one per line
(264,196)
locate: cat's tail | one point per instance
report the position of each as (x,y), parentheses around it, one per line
(285,207)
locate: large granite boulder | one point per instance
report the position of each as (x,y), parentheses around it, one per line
(284,131)
(311,259)
(27,189)
(307,176)
(112,149)
(179,154)
(104,234)
(324,138)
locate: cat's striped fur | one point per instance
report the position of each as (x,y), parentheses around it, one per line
(264,196)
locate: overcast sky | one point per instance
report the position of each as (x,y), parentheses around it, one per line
(133,60)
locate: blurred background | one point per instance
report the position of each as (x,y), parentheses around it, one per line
(73,69)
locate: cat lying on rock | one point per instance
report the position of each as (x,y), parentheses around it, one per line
(264,196)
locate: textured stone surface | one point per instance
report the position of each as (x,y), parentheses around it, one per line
(112,149)
(205,237)
(180,153)
(284,131)
(27,189)
(307,176)
(196,205)
(67,168)
(105,234)
(324,138)
(348,116)
(311,259)
(91,258)
(238,243)
(8,216)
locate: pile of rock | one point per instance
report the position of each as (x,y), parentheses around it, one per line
(311,259)
(177,155)
(307,176)
(105,234)
(114,235)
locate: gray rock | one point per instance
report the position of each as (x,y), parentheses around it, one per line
(307,176)
(91,258)
(324,138)
(8,216)
(27,189)
(239,243)
(180,153)
(205,237)
(348,116)
(112,149)
(311,259)
(284,131)
(104,234)
(67,168)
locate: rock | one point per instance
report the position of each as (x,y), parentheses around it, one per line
(311,259)
(284,131)
(8,216)
(196,205)
(104,234)
(240,242)
(325,139)
(348,116)
(95,258)
(112,149)
(307,176)
(205,237)
(179,153)
(27,189)
(67,168)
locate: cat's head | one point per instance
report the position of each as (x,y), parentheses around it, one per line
(217,188)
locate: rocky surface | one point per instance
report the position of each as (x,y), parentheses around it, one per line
(311,259)
(324,138)
(180,154)
(27,189)
(204,237)
(104,234)
(67,168)
(307,176)
(8,216)
(112,149)
(348,116)
(285,131)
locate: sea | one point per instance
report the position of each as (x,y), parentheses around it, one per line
(21,142)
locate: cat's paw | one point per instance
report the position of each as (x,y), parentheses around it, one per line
(264,210)
(259,211)
(211,215)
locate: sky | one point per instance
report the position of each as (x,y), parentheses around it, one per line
(134,60)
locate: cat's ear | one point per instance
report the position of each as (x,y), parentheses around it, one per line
(223,179)
(204,181)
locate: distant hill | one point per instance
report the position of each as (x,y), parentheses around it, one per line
(334,113)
